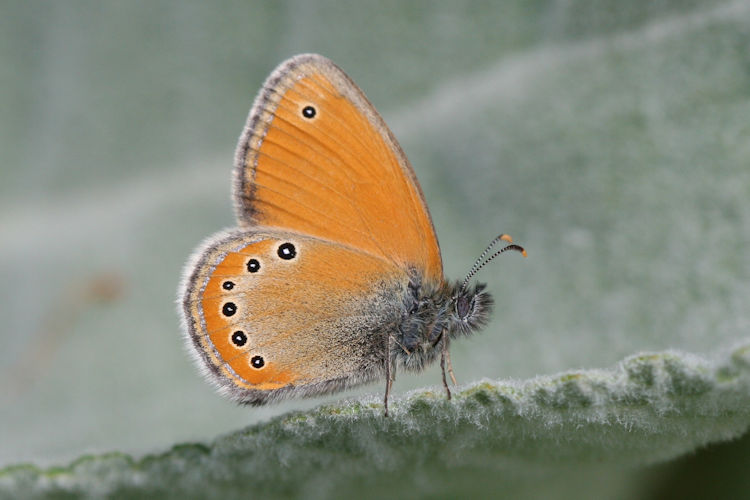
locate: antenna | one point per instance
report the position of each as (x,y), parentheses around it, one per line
(502,237)
(479,264)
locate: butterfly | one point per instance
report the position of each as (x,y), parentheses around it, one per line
(333,276)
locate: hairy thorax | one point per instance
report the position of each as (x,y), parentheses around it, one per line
(431,316)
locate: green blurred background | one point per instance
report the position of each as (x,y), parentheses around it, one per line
(610,138)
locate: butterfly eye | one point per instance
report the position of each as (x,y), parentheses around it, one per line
(309,112)
(229,309)
(287,251)
(257,362)
(253,266)
(227,285)
(239,338)
(463,307)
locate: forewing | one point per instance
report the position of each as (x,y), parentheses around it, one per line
(316,158)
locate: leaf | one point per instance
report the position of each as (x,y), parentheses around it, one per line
(609,138)
(655,405)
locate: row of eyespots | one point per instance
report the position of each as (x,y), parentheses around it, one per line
(286,251)
(240,339)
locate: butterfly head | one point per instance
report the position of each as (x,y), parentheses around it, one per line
(469,309)
(472,305)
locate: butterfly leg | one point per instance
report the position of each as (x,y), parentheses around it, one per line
(443,357)
(450,366)
(389,373)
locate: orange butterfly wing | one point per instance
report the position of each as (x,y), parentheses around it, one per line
(268,327)
(316,158)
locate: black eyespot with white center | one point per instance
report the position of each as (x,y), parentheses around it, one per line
(239,338)
(229,309)
(257,362)
(309,112)
(253,266)
(287,251)
(227,285)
